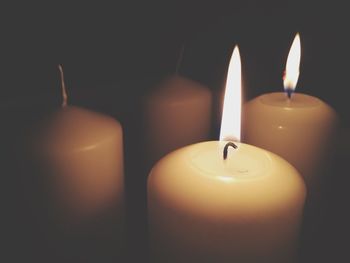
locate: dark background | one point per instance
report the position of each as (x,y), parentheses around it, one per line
(114,54)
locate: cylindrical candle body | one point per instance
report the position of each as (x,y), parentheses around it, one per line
(202,208)
(300,130)
(83,153)
(177,113)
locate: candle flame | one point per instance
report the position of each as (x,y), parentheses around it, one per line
(231,116)
(292,66)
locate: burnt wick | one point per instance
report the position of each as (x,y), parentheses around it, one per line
(225,152)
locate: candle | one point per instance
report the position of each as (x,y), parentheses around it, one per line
(83,153)
(177,113)
(210,202)
(296,126)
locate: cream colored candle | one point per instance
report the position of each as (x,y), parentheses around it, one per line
(206,205)
(84,157)
(298,127)
(177,113)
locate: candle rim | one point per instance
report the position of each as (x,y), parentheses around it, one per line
(293,103)
(268,156)
(187,186)
(69,139)
(173,84)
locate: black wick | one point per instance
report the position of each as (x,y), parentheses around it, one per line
(226,149)
(289,93)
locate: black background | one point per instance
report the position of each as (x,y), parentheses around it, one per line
(114,53)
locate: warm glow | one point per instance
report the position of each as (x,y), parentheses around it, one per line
(292,67)
(231,116)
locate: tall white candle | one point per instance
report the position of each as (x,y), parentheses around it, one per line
(296,126)
(83,153)
(209,202)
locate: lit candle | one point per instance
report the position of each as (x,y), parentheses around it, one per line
(177,113)
(210,202)
(83,153)
(296,126)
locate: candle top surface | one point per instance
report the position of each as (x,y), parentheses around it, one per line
(245,163)
(177,88)
(249,175)
(209,162)
(75,129)
(277,110)
(298,100)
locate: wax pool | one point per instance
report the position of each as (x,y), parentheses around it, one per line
(203,208)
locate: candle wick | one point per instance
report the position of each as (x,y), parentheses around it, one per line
(226,149)
(179,60)
(63,86)
(289,93)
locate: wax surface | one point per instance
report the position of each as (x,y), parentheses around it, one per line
(202,208)
(84,158)
(300,130)
(177,113)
